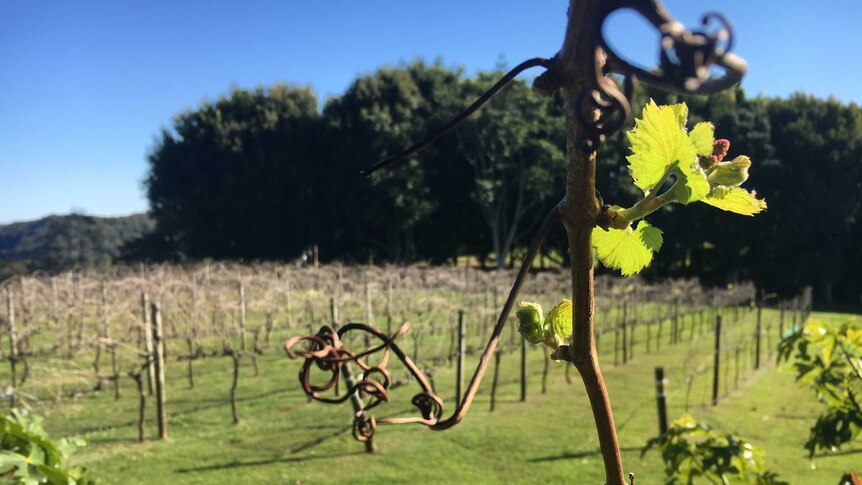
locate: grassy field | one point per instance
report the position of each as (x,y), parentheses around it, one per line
(283,438)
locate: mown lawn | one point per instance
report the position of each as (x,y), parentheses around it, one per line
(283,438)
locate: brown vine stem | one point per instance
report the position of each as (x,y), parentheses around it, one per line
(579,212)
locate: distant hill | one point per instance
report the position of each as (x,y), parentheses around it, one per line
(70,241)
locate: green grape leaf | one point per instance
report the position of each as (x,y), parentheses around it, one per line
(628,250)
(702,137)
(692,184)
(8,458)
(657,141)
(735,199)
(558,324)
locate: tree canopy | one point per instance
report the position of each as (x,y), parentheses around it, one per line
(263,174)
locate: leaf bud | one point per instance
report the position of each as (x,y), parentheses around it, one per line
(730,174)
(529,315)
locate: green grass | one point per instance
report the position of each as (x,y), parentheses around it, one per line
(283,438)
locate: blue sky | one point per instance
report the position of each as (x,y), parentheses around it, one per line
(86,86)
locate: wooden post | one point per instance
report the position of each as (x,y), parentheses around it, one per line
(190,369)
(459,377)
(453,344)
(242,322)
(674,322)
(494,381)
(236,358)
(159,346)
(757,340)
(142,403)
(661,400)
(333,312)
(148,342)
(717,360)
(13,346)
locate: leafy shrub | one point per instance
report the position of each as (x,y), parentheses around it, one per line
(829,361)
(29,456)
(692,450)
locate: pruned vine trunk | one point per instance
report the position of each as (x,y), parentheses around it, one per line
(579,212)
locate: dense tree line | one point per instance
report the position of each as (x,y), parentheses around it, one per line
(263,174)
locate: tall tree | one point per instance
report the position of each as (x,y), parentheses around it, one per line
(819,150)
(231,179)
(379,114)
(507,144)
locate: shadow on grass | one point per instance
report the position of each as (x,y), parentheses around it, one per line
(315,442)
(836,454)
(798,417)
(580,454)
(272,461)
(211,404)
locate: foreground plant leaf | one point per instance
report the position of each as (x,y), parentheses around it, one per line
(629,250)
(703,137)
(558,324)
(692,451)
(692,185)
(736,200)
(658,140)
(660,144)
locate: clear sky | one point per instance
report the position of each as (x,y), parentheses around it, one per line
(86,86)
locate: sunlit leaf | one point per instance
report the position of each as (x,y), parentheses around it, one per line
(702,137)
(657,141)
(735,199)
(628,250)
(558,323)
